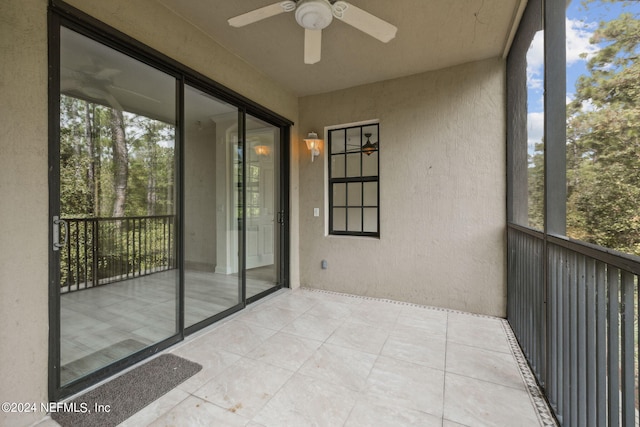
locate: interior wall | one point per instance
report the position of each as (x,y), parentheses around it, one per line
(442,191)
(24,295)
(200,197)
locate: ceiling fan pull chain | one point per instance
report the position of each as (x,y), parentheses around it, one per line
(288,6)
(339,8)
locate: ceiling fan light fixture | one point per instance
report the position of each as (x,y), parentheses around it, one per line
(314,14)
(369,147)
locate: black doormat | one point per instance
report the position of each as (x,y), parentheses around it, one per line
(120,398)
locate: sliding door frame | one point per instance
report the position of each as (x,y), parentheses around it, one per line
(60,15)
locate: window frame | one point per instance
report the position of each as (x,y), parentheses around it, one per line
(363,179)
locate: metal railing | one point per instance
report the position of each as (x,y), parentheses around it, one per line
(106,250)
(574,309)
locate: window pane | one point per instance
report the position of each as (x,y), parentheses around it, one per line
(370,164)
(370,220)
(355,219)
(373,130)
(370,194)
(208,241)
(354,140)
(337,141)
(261,244)
(339,194)
(337,166)
(339,219)
(355,194)
(118,169)
(353,165)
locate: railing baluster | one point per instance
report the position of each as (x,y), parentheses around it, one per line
(627,355)
(590,343)
(573,339)
(128,231)
(139,247)
(613,346)
(567,352)
(146,246)
(84,247)
(582,342)
(601,341)
(96,252)
(69,259)
(552,369)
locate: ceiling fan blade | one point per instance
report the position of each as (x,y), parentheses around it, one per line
(262,13)
(312,46)
(106,74)
(133,92)
(364,21)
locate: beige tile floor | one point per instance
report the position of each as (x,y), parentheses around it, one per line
(314,358)
(106,323)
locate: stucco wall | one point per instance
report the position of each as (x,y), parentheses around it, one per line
(442,191)
(24,206)
(24,214)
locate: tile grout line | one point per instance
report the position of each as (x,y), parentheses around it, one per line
(545,416)
(444,379)
(409,304)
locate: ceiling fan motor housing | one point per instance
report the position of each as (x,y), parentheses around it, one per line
(314,14)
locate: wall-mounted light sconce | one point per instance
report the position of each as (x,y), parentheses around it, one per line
(313,144)
(262,150)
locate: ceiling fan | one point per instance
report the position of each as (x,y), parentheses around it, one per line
(95,82)
(315,15)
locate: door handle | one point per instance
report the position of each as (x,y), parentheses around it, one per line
(57,221)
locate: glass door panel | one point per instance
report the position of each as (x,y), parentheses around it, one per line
(211,190)
(115,209)
(262,206)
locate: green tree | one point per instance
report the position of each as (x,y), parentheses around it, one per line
(536,187)
(603,144)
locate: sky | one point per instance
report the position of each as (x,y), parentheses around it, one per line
(581,22)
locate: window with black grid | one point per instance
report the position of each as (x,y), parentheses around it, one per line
(354,187)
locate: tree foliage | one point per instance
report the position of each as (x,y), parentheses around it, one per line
(114,163)
(603,141)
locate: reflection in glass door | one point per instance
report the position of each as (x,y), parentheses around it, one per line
(114,211)
(212,167)
(263,217)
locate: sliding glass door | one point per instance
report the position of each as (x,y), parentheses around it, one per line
(263,214)
(212,189)
(114,208)
(167,201)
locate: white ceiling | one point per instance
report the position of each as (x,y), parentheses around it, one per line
(432,34)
